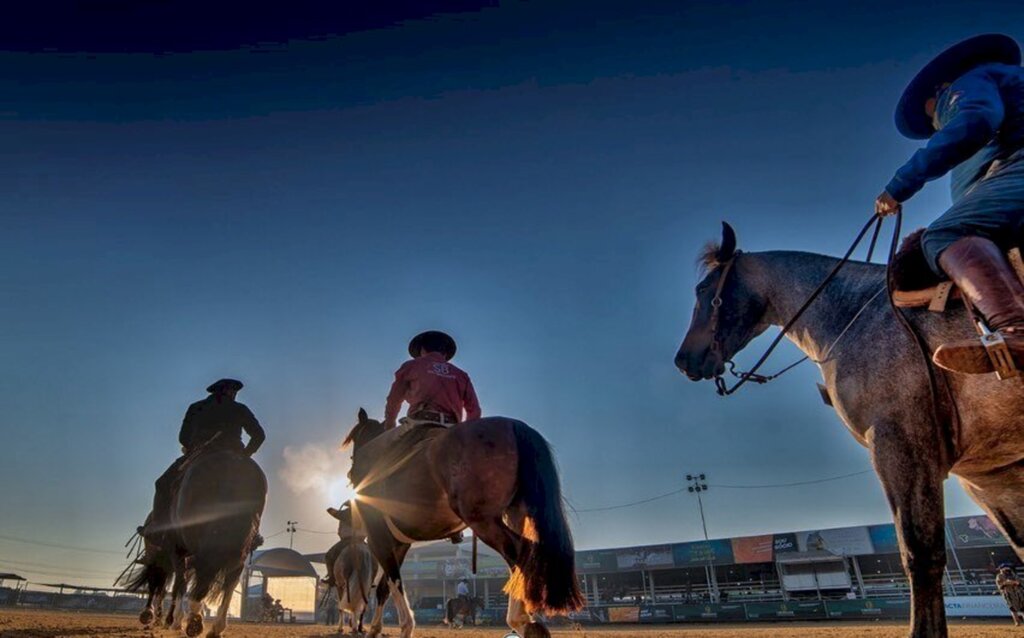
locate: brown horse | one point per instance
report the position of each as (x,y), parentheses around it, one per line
(458,610)
(876,380)
(496,476)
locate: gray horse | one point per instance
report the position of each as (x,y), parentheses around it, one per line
(877,381)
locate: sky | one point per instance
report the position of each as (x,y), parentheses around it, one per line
(287,200)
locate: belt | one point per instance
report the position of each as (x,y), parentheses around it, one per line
(436,417)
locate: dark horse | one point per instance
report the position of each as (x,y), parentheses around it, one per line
(458,610)
(877,381)
(496,476)
(214,519)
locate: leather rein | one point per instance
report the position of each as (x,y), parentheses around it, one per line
(721,385)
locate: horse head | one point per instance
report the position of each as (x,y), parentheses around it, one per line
(728,313)
(365,430)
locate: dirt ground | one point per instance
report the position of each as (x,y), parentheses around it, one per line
(52,624)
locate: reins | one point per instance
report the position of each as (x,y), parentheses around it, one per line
(752,375)
(890,287)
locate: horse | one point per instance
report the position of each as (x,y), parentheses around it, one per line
(353,571)
(214,518)
(496,476)
(458,609)
(876,379)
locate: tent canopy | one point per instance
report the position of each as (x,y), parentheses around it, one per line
(281,561)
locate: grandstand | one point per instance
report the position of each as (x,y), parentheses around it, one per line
(848,572)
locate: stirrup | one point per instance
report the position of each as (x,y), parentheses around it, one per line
(999,354)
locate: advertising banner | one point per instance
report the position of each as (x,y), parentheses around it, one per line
(869,608)
(753,549)
(655,614)
(976,531)
(624,614)
(845,541)
(708,613)
(883,538)
(783,543)
(786,610)
(596,561)
(718,552)
(644,557)
(976,606)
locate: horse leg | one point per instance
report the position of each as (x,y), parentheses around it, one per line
(377,622)
(511,545)
(230,581)
(912,481)
(173,618)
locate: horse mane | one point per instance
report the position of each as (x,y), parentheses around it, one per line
(708,258)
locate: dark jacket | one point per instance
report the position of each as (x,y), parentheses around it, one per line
(217,415)
(981,118)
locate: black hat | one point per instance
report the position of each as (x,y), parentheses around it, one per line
(911,120)
(433,341)
(225,384)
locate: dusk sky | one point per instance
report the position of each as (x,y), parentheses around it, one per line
(535,178)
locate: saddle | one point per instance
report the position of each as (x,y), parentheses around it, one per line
(917,286)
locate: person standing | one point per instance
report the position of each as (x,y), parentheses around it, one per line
(1013,592)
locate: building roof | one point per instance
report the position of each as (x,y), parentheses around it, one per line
(10,577)
(282,561)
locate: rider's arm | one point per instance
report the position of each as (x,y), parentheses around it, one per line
(397,394)
(471,403)
(978,111)
(255,431)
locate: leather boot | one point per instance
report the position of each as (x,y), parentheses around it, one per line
(980,269)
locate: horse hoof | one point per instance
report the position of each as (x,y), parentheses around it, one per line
(195,626)
(536,630)
(146,616)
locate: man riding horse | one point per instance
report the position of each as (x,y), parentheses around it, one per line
(436,391)
(969,103)
(214,423)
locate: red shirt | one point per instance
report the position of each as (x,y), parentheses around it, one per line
(431,383)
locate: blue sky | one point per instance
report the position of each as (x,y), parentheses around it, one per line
(535,181)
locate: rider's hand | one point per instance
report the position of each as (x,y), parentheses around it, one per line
(885,205)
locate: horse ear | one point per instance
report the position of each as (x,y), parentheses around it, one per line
(363,417)
(728,249)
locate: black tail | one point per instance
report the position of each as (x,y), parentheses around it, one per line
(548,566)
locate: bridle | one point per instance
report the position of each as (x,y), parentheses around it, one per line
(721,386)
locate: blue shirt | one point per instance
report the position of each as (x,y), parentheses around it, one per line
(981,119)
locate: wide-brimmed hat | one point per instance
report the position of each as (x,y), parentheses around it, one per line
(225,384)
(433,341)
(911,119)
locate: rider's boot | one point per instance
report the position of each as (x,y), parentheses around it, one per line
(457,538)
(980,269)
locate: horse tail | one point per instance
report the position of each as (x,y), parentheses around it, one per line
(149,577)
(545,575)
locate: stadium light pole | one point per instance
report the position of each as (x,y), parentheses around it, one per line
(291,529)
(696,486)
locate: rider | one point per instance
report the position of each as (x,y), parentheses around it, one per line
(970,102)
(214,423)
(462,589)
(436,390)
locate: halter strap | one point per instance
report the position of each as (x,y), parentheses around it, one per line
(716,301)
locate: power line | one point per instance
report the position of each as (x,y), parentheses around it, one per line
(76,548)
(798,483)
(729,487)
(314,531)
(633,504)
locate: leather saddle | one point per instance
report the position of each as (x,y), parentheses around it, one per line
(918,287)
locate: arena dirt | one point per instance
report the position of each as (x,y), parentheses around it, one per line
(48,624)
